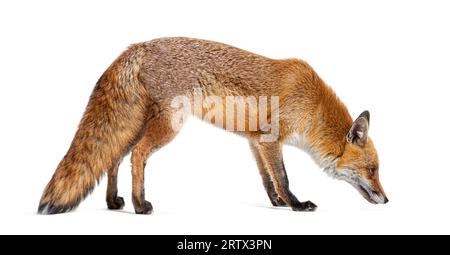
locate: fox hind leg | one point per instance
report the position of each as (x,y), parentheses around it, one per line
(113,201)
(267,182)
(158,133)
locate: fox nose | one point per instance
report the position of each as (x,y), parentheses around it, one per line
(386,200)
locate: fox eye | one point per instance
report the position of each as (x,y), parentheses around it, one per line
(372,171)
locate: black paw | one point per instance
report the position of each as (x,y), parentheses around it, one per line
(278,202)
(147,208)
(307,206)
(115,204)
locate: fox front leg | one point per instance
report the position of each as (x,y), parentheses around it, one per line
(272,158)
(267,182)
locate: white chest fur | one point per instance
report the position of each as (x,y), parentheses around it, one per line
(300,141)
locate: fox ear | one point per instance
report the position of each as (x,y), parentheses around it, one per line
(358,133)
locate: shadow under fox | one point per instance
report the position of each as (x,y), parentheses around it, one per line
(130,110)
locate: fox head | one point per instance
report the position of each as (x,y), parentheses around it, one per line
(358,165)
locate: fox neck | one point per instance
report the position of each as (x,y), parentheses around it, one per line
(323,137)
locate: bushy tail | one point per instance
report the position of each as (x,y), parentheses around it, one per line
(110,127)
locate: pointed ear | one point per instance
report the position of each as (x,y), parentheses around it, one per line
(358,133)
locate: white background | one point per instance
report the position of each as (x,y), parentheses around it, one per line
(390,57)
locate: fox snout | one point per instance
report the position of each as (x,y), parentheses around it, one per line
(370,194)
(378,198)
(381,197)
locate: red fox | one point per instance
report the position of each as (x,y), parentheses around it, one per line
(133,107)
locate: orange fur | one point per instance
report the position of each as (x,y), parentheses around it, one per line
(130,109)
